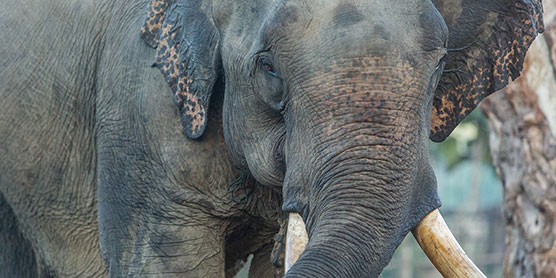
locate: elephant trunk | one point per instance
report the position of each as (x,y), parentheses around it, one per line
(353,233)
(364,200)
(357,166)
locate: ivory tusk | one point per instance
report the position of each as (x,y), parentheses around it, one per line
(445,253)
(296,239)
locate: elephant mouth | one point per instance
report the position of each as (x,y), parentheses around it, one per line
(432,234)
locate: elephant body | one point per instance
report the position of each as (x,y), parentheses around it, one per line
(278,106)
(82,106)
(47,134)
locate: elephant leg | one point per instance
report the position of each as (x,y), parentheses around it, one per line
(261,265)
(194,251)
(17,258)
(143,246)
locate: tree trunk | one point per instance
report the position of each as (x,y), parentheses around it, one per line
(522,121)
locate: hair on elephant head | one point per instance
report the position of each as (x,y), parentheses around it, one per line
(336,100)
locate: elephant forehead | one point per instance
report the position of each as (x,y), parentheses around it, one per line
(346,14)
(377,26)
(281,20)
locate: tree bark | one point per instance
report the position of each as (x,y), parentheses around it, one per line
(522,120)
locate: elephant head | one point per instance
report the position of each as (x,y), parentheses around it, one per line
(335,102)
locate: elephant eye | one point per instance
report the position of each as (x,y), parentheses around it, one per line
(267,66)
(269,69)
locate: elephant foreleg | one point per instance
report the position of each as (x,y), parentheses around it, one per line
(167,250)
(261,264)
(17,258)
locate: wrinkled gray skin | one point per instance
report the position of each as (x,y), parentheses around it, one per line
(326,102)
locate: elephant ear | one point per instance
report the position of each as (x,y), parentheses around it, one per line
(186,43)
(487,45)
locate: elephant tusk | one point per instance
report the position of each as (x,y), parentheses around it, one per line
(445,253)
(296,239)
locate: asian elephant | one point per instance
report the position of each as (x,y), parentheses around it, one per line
(168,138)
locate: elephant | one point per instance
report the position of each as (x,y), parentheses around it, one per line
(172,138)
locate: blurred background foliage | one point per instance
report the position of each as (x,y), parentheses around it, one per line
(463,167)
